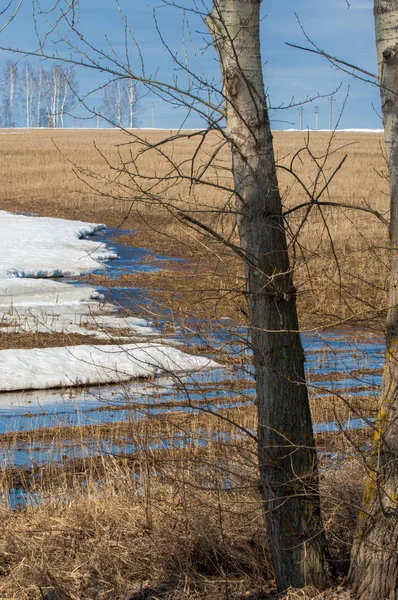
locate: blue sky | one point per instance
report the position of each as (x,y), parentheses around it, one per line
(290,75)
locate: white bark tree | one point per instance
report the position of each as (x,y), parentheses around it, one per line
(9,95)
(69,89)
(28,94)
(39,80)
(120,102)
(60,90)
(132,102)
(374,568)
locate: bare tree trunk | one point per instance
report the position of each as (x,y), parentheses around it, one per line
(374,567)
(11,76)
(64,97)
(131,100)
(287,457)
(119,104)
(39,97)
(28,90)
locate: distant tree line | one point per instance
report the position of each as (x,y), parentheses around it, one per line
(36,97)
(39,97)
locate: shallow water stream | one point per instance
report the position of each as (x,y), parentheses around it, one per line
(357,366)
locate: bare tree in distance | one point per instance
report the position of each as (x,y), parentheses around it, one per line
(59,93)
(37,97)
(29,90)
(9,94)
(120,102)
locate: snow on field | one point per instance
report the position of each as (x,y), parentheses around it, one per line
(47,247)
(32,251)
(83,365)
(45,305)
(339,130)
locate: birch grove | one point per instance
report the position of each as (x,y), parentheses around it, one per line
(37,97)
(120,103)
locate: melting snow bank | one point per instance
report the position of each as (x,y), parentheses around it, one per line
(47,306)
(87,365)
(34,249)
(352,130)
(47,247)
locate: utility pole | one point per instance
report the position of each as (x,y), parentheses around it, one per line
(331,100)
(153,115)
(316,117)
(301,110)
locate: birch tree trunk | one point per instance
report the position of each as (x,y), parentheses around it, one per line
(374,566)
(131,101)
(28,91)
(39,97)
(287,458)
(12,73)
(64,98)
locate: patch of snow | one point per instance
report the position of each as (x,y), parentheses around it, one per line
(34,249)
(355,130)
(47,247)
(44,305)
(43,368)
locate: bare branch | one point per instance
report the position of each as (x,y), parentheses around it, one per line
(333,59)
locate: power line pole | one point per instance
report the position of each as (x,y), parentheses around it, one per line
(153,115)
(316,118)
(301,110)
(331,100)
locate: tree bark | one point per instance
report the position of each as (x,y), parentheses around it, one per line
(374,565)
(287,457)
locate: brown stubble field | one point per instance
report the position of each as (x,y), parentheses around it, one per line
(339,254)
(165,520)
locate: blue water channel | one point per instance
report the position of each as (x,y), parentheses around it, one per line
(326,354)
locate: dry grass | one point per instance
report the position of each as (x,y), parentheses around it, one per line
(120,526)
(46,340)
(184,522)
(340,257)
